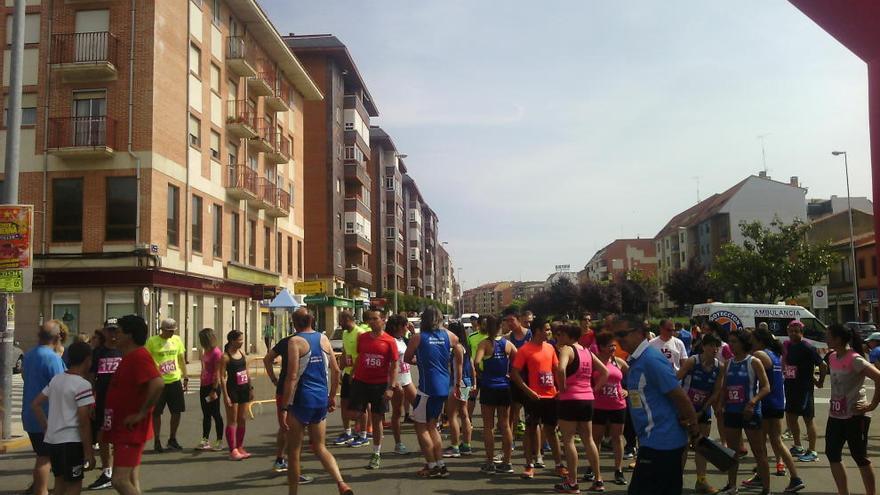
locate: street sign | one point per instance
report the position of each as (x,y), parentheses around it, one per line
(16,253)
(310,287)
(820,297)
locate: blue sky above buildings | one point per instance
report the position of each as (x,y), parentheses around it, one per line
(541,131)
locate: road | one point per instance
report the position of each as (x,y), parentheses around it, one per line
(204,472)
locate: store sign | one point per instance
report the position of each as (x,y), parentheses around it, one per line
(16,253)
(311,287)
(820,297)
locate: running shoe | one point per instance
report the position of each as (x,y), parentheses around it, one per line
(488,468)
(498,458)
(742,453)
(810,456)
(359,442)
(561,471)
(343,439)
(279,466)
(437,472)
(780,469)
(465,449)
(729,490)
(704,488)
(528,472)
(787,435)
(503,468)
(235,455)
(375,459)
(797,451)
(629,454)
(344,489)
(589,477)
(173,445)
(400,449)
(520,427)
(157,447)
(101,483)
(217,446)
(305,479)
(425,472)
(539,463)
(204,445)
(566,487)
(753,482)
(619,479)
(451,452)
(243,452)
(545,449)
(795,485)
(597,486)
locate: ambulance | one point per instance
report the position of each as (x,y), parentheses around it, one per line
(732,316)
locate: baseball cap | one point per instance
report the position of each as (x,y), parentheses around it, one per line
(796,323)
(111,324)
(168,324)
(873,336)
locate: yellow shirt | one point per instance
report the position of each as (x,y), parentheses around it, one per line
(165,353)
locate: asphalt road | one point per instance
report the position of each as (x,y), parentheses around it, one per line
(202,472)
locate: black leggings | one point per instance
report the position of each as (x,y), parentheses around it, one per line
(210,410)
(629,432)
(854,432)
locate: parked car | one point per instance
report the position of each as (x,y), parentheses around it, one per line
(336,340)
(864,328)
(17,358)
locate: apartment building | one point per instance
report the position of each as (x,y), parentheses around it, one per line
(619,257)
(429,253)
(487,299)
(338,180)
(389,215)
(414,240)
(162,147)
(445,277)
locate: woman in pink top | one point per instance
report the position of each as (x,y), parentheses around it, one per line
(209,390)
(610,403)
(574,378)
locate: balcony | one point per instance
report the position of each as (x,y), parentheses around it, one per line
(85,57)
(262,84)
(241,182)
(279,100)
(280,152)
(241,119)
(395,269)
(277,200)
(263,140)
(237,60)
(356,205)
(357,173)
(357,241)
(82,137)
(358,276)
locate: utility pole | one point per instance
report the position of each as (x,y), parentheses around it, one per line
(10,196)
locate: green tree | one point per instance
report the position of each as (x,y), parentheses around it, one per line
(692,285)
(774,263)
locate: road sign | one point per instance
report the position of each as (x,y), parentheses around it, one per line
(820,297)
(311,287)
(16,253)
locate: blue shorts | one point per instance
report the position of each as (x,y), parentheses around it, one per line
(427,408)
(308,415)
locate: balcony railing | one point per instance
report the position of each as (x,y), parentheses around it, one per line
(82,57)
(241,119)
(276,199)
(279,100)
(237,57)
(241,182)
(263,83)
(358,241)
(356,205)
(280,149)
(359,276)
(356,172)
(263,140)
(86,137)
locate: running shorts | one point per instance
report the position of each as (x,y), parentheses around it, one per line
(854,432)
(363,394)
(427,408)
(172,395)
(497,397)
(800,403)
(768,413)
(40,447)
(127,454)
(67,460)
(736,420)
(541,412)
(345,389)
(308,415)
(579,411)
(605,416)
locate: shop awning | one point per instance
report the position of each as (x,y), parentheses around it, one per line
(325,300)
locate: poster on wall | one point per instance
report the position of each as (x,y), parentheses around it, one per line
(16,248)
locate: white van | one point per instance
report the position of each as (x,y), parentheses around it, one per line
(732,316)
(466,320)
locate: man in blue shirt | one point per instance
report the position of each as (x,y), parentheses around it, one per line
(684,335)
(40,364)
(873,342)
(661,413)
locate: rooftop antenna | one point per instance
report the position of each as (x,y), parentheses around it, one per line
(697,179)
(763,152)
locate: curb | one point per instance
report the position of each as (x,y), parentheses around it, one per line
(16,444)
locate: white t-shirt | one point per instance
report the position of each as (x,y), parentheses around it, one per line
(404,376)
(673,349)
(66,393)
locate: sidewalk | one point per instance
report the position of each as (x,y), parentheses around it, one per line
(19,439)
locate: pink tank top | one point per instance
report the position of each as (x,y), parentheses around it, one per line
(610,396)
(579,385)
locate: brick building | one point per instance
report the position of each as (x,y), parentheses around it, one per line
(389,216)
(619,257)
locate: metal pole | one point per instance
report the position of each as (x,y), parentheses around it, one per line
(10,196)
(852,245)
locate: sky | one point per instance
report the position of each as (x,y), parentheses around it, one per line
(541,131)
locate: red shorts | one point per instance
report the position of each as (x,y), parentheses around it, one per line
(127,454)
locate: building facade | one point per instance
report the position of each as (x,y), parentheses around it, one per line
(166,163)
(620,257)
(389,215)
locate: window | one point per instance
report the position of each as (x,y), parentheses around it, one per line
(349,126)
(67,210)
(196,224)
(232,153)
(252,242)
(215,145)
(390,233)
(236,233)
(290,256)
(267,247)
(195,131)
(31,28)
(299,259)
(121,208)
(173,216)
(28,110)
(215,78)
(218,231)
(862,268)
(215,12)
(279,241)
(389,183)
(195,60)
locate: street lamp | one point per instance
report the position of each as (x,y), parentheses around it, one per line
(852,245)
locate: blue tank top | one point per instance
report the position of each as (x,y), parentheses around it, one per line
(775,400)
(699,383)
(519,343)
(467,369)
(433,358)
(496,366)
(742,385)
(312,389)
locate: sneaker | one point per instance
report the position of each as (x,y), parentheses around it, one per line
(157,447)
(810,456)
(173,445)
(780,469)
(101,483)
(797,451)
(465,449)
(597,486)
(235,455)
(795,485)
(217,446)
(704,488)
(545,449)
(619,479)
(374,461)
(528,472)
(566,487)
(344,489)
(400,449)
(343,439)
(245,453)
(305,479)
(279,466)
(438,472)
(488,468)
(742,453)
(451,452)
(359,442)
(204,445)
(498,458)
(561,471)
(728,490)
(521,427)
(753,482)
(539,463)
(589,477)
(787,435)
(425,472)
(504,468)
(629,454)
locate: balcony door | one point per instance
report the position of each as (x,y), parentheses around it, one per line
(91,27)
(90,119)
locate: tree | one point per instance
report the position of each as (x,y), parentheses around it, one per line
(637,292)
(692,285)
(596,297)
(774,263)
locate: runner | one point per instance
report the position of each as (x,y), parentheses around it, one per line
(800,360)
(518,335)
(432,348)
(233,376)
(308,398)
(406,392)
(684,335)
(375,377)
(39,366)
(701,375)
(493,358)
(848,421)
(460,427)
(587,338)
(350,333)
(134,389)
(169,353)
(472,341)
(574,407)
(609,412)
(538,362)
(209,390)
(105,360)
(69,426)
(669,345)
(745,385)
(873,342)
